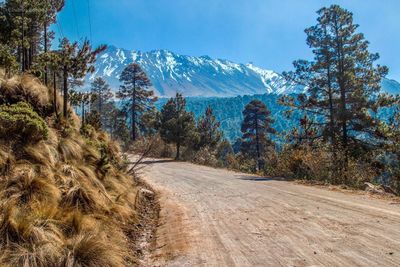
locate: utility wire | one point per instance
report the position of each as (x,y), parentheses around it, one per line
(90,21)
(76,20)
(60,31)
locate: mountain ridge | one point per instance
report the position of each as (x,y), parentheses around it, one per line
(193,76)
(200,76)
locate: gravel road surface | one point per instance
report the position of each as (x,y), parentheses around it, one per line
(215,217)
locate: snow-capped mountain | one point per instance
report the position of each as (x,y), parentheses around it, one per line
(192,76)
(199,76)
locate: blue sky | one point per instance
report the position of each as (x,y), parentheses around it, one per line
(269,33)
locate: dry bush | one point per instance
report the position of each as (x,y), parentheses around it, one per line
(316,164)
(75,222)
(159,149)
(205,156)
(358,173)
(305,163)
(232,162)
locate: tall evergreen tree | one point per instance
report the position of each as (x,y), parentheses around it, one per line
(208,130)
(24,27)
(391,149)
(305,134)
(76,61)
(149,122)
(342,82)
(256,126)
(135,93)
(176,124)
(80,99)
(102,94)
(118,127)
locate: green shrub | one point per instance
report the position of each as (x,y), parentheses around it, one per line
(20,122)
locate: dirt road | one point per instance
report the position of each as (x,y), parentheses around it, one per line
(212,217)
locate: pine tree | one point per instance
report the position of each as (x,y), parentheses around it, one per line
(255,128)
(224,149)
(24,27)
(7,60)
(176,124)
(80,99)
(306,134)
(135,93)
(208,130)
(149,122)
(102,94)
(389,153)
(76,61)
(119,129)
(51,62)
(50,10)
(342,82)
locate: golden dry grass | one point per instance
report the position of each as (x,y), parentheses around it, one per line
(66,200)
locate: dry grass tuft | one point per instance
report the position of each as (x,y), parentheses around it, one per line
(25,186)
(7,160)
(91,250)
(84,198)
(70,149)
(25,88)
(42,153)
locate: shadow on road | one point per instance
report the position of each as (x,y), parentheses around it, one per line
(152,161)
(261,179)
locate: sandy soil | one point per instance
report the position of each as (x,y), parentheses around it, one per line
(214,217)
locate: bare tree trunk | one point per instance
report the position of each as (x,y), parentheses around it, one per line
(45,50)
(133,122)
(83,113)
(134,111)
(23,36)
(65,107)
(178,150)
(55,93)
(258,146)
(342,88)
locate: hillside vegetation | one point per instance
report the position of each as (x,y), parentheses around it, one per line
(65,196)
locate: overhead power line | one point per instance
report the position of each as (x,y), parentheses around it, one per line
(60,31)
(76,20)
(90,21)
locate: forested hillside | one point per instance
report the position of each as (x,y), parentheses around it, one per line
(229,112)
